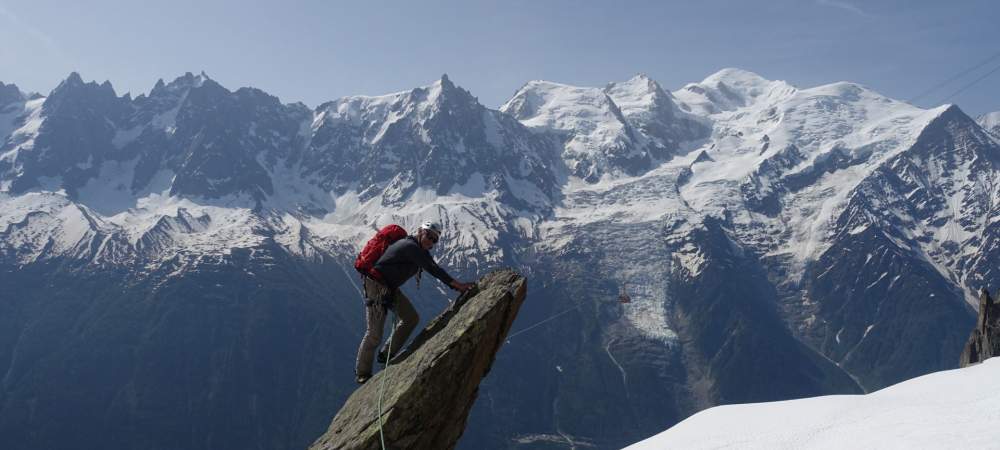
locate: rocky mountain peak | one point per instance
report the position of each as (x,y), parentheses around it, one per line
(73,79)
(621,129)
(74,85)
(74,90)
(426,393)
(597,138)
(166,97)
(445,81)
(437,136)
(208,90)
(653,111)
(638,83)
(639,93)
(984,343)
(444,96)
(191,80)
(71,132)
(9,93)
(953,120)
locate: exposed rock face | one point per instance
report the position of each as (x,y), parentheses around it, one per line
(985,339)
(428,390)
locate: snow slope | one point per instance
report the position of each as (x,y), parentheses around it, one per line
(768,130)
(991,123)
(944,410)
(625,128)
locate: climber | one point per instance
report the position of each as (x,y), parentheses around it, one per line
(623,296)
(402,260)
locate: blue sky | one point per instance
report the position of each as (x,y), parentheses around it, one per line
(315,51)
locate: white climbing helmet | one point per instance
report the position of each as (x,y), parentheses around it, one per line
(432,227)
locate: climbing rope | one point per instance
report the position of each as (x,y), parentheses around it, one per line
(388,358)
(550,318)
(542,322)
(954,78)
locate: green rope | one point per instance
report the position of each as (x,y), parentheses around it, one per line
(388,358)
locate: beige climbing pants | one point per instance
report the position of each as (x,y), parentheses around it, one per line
(375,314)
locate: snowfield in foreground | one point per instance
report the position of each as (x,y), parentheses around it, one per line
(954,409)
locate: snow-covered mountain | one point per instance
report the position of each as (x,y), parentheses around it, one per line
(846,195)
(438,136)
(776,242)
(991,123)
(949,409)
(12,103)
(624,128)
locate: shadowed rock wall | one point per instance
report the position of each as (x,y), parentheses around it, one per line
(985,339)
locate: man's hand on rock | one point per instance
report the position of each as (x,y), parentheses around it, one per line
(460,286)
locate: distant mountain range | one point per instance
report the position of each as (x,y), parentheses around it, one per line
(176,266)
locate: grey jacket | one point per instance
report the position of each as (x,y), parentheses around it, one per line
(402,260)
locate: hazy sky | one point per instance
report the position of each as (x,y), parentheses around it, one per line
(315,51)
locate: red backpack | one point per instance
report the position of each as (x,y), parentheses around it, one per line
(376,247)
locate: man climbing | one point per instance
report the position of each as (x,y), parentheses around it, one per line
(401,261)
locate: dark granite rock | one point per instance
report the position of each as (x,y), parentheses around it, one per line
(427,392)
(984,342)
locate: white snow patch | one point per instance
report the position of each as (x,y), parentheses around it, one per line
(585,117)
(880,278)
(949,409)
(23,138)
(111,191)
(9,116)
(990,121)
(38,222)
